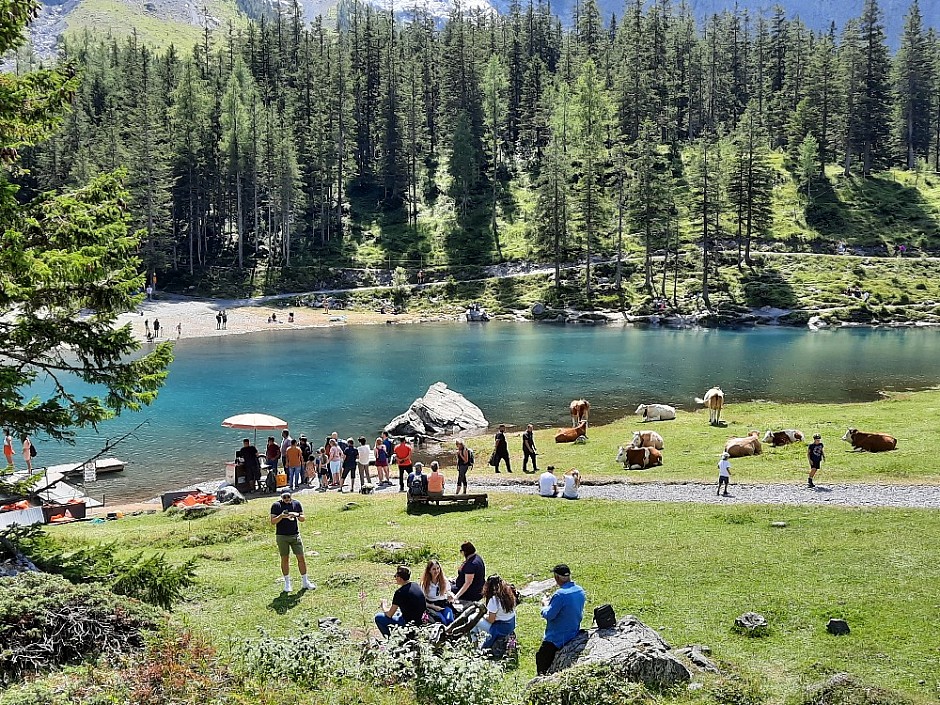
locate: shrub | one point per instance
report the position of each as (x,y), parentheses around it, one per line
(844,689)
(151,579)
(736,690)
(588,684)
(453,673)
(406,555)
(46,622)
(308,655)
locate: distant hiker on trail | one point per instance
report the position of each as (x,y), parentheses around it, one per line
(218,321)
(149,292)
(528,450)
(179,329)
(816,455)
(224,319)
(501,449)
(724,473)
(285,514)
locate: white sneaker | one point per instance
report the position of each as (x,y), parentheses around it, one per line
(287,587)
(308,585)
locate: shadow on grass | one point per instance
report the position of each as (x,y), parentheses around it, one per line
(286,601)
(434,510)
(766,287)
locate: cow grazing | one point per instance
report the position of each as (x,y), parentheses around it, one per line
(639,458)
(714,400)
(656,412)
(784,437)
(872,442)
(647,439)
(580,409)
(743,447)
(571,435)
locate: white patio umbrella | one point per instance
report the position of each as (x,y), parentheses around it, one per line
(264,422)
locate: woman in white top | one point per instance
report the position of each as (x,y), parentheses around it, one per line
(572,484)
(437,593)
(500,619)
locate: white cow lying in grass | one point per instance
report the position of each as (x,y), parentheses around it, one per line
(647,439)
(656,412)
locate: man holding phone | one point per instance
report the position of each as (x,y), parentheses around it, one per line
(285,514)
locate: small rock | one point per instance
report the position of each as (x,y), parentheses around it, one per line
(751,624)
(389,545)
(697,656)
(838,627)
(327,623)
(778,524)
(349,505)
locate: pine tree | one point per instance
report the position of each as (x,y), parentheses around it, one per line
(551,222)
(704,201)
(650,196)
(463,163)
(751,183)
(874,91)
(914,83)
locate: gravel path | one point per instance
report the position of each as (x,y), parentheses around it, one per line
(825,494)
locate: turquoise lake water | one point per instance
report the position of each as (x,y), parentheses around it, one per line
(355,379)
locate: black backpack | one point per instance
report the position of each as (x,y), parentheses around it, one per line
(417,486)
(604,617)
(469,457)
(32,451)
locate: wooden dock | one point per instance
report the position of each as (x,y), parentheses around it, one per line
(103,466)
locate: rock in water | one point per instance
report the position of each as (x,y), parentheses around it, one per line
(839,627)
(638,652)
(439,411)
(751,624)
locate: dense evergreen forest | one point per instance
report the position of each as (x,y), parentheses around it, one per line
(369,139)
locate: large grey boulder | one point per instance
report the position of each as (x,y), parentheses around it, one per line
(637,651)
(439,411)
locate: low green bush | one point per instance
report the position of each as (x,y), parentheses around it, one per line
(307,655)
(736,690)
(845,689)
(588,684)
(407,555)
(46,622)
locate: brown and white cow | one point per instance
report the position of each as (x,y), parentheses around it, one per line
(714,399)
(743,447)
(647,439)
(639,458)
(872,442)
(784,437)
(580,409)
(570,435)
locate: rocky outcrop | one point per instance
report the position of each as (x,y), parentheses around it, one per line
(439,411)
(637,651)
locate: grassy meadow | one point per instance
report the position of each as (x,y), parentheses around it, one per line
(692,446)
(685,570)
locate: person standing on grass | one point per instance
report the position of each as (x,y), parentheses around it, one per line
(285,513)
(816,455)
(363,451)
(408,604)
(8,447)
(381,462)
(271,453)
(724,473)
(285,444)
(528,450)
(464,463)
(501,449)
(350,460)
(562,613)
(335,455)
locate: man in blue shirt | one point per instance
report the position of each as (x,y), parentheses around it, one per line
(562,613)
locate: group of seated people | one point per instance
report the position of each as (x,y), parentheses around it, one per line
(569,485)
(434,598)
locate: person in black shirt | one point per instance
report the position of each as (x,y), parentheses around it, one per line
(501,449)
(815,454)
(408,604)
(285,514)
(528,450)
(247,457)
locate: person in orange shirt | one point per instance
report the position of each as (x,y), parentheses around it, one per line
(403,455)
(294,461)
(436,480)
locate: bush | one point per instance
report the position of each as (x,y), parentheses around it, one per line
(46,622)
(406,555)
(588,684)
(453,673)
(151,579)
(308,655)
(844,689)
(736,691)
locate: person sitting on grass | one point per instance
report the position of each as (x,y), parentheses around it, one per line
(471,576)
(500,619)
(437,593)
(548,484)
(407,606)
(572,484)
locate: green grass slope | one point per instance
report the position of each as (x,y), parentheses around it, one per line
(687,571)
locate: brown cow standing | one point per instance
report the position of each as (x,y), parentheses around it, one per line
(580,409)
(570,435)
(872,442)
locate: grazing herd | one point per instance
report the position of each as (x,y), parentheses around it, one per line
(646,448)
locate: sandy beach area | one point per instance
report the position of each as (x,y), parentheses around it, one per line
(185,317)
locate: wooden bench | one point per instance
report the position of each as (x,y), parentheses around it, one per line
(476,500)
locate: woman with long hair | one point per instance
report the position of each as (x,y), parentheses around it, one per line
(500,619)
(437,592)
(381,461)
